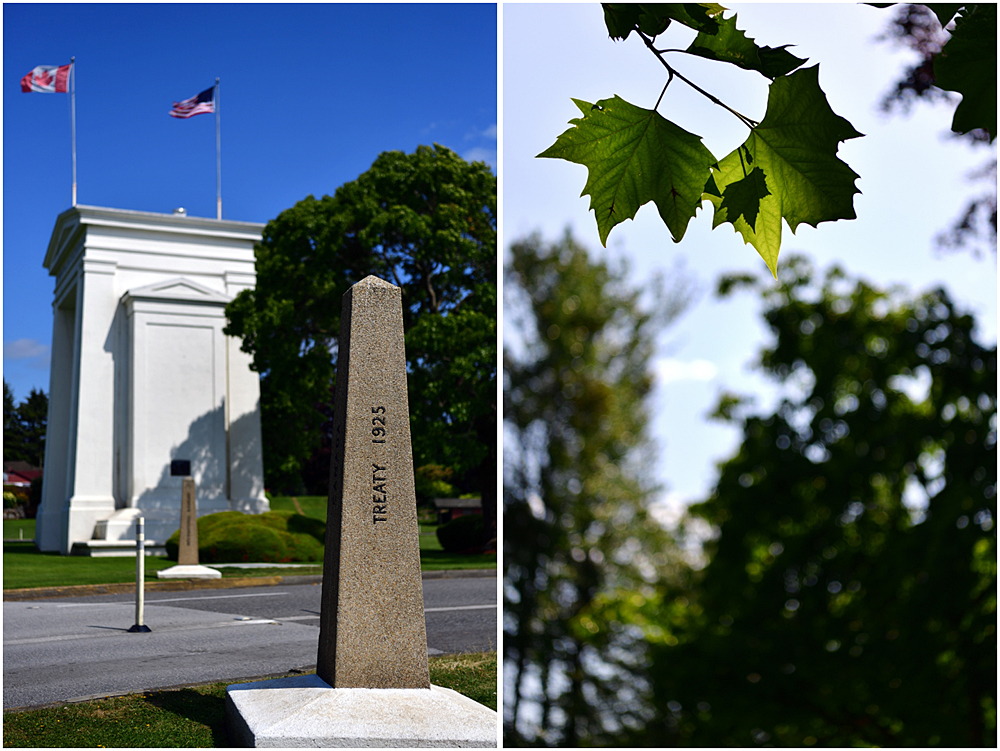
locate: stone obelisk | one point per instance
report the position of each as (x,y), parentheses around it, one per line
(371,686)
(372,632)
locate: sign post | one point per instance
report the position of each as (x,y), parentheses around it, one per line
(140,577)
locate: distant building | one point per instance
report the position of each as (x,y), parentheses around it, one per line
(20,474)
(452,508)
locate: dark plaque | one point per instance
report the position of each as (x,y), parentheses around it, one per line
(180,468)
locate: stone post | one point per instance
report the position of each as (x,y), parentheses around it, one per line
(187,553)
(372,632)
(187,547)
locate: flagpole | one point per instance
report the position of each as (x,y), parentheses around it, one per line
(218,156)
(72,107)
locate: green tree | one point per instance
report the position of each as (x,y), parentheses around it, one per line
(24,426)
(578,538)
(850,593)
(11,427)
(426,222)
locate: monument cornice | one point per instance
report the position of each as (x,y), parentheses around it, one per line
(70,226)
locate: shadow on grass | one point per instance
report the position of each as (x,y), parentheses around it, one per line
(208,709)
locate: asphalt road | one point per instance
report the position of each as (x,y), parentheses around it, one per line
(71,648)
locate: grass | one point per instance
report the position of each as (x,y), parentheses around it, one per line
(26,566)
(14,528)
(194,716)
(312,505)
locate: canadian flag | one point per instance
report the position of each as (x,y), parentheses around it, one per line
(47,79)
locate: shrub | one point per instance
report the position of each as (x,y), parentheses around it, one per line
(431,481)
(464,534)
(271,537)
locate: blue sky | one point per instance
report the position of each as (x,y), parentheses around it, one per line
(913,183)
(310,95)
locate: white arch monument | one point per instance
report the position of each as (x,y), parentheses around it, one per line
(142,374)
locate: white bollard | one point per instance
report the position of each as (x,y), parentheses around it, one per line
(140,576)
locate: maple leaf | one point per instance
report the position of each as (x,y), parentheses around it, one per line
(43,78)
(742,198)
(633,156)
(729,44)
(795,147)
(652,19)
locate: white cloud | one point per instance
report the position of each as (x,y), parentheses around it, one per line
(479,154)
(670,370)
(489,133)
(25,349)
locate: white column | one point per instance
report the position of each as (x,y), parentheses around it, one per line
(48,525)
(91,455)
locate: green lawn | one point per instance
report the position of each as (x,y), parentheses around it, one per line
(25,566)
(312,505)
(194,716)
(18,528)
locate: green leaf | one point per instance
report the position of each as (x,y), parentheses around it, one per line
(697,16)
(778,61)
(967,65)
(742,198)
(652,19)
(624,18)
(634,156)
(731,45)
(796,148)
(944,11)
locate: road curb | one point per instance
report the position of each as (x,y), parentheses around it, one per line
(86,590)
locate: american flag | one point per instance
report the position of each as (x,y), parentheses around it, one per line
(196,105)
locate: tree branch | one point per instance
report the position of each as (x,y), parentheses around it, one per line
(714,99)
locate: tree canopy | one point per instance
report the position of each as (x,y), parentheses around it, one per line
(577,482)
(847,590)
(850,592)
(425,222)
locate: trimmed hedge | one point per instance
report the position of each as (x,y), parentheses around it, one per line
(464,534)
(271,537)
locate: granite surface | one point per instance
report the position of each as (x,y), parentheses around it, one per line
(187,552)
(372,632)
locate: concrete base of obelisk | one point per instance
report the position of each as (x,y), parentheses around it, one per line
(189,572)
(303,712)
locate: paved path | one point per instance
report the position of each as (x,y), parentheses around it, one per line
(70,648)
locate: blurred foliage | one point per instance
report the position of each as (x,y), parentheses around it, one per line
(578,469)
(919,28)
(850,593)
(432,481)
(425,222)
